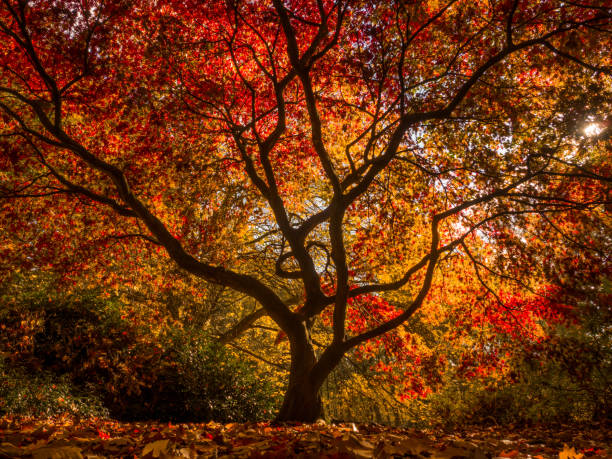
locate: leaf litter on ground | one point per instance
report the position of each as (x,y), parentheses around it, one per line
(66,438)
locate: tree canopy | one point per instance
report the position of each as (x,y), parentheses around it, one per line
(335,161)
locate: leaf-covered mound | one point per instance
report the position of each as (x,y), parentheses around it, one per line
(64,438)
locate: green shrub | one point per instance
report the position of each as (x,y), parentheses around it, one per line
(565,378)
(210,383)
(44,394)
(546,397)
(140,369)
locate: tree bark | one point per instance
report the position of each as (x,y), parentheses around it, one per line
(302,403)
(302,400)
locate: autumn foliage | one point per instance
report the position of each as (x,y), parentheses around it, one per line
(420,187)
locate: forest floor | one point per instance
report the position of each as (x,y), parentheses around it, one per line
(65,438)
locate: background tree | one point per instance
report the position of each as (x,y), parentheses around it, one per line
(346,147)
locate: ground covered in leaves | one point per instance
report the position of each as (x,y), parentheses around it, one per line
(70,439)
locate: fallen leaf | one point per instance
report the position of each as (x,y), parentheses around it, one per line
(156,448)
(10,450)
(356,446)
(189,453)
(57,452)
(569,453)
(121,441)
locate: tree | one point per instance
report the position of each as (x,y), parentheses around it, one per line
(338,149)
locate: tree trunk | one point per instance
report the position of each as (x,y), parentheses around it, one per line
(302,400)
(302,403)
(303,397)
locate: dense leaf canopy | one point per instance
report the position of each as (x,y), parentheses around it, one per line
(335,161)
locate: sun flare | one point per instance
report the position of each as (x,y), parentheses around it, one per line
(592,129)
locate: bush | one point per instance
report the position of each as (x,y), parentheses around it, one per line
(564,378)
(546,397)
(210,383)
(85,343)
(44,395)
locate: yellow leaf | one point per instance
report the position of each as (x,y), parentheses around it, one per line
(60,452)
(9,450)
(569,453)
(156,448)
